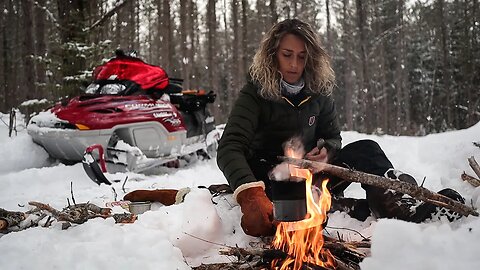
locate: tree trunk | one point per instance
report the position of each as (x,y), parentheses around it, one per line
(348,85)
(445,61)
(184,42)
(244,62)
(212,82)
(329,31)
(41,50)
(28,51)
(192,20)
(273,12)
(364,84)
(235,46)
(3,107)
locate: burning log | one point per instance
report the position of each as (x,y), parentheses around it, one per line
(416,192)
(473,163)
(345,254)
(470,179)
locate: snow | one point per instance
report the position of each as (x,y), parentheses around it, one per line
(170,237)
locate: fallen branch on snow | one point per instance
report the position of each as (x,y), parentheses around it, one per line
(11,221)
(470,179)
(416,192)
(475,167)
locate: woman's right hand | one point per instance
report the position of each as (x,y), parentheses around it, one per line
(257,210)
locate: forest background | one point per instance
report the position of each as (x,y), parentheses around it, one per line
(402,67)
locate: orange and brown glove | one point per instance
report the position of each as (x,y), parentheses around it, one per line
(257,210)
(163,196)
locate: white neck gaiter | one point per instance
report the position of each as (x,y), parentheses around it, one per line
(291,89)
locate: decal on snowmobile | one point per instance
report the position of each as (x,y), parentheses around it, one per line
(163,114)
(149,105)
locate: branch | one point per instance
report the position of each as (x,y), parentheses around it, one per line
(10,218)
(106,16)
(417,192)
(470,179)
(473,163)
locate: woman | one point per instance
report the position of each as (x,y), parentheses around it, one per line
(288,95)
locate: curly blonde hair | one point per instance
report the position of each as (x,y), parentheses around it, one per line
(318,74)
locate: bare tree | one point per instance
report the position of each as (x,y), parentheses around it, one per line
(235,46)
(28,51)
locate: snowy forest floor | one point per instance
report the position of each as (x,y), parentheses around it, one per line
(167,237)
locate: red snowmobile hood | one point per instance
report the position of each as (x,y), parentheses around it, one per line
(132,69)
(106,111)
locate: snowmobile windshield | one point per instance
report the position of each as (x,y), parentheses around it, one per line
(107,89)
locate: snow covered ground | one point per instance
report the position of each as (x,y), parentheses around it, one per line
(167,237)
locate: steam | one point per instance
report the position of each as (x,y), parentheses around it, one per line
(291,148)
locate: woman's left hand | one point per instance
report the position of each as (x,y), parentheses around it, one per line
(319,155)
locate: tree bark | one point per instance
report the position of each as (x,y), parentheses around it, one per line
(28,52)
(416,192)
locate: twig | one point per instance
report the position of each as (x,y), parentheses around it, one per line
(71,191)
(207,241)
(107,16)
(114,194)
(473,163)
(123,185)
(470,179)
(477,144)
(347,229)
(415,191)
(423,182)
(10,218)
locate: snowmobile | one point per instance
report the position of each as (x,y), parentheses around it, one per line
(134,113)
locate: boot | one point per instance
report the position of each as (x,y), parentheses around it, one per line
(391,204)
(356,208)
(426,211)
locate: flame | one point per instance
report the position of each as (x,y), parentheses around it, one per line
(303,240)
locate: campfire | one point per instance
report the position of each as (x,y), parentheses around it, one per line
(302,240)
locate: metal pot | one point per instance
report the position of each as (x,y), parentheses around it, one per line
(289,199)
(138,208)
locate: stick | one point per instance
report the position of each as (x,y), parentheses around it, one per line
(470,179)
(3,224)
(417,192)
(106,16)
(10,218)
(473,163)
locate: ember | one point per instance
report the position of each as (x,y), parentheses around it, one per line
(303,240)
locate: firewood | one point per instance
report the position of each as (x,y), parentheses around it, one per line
(345,255)
(473,163)
(77,214)
(124,218)
(470,179)
(3,224)
(10,218)
(416,192)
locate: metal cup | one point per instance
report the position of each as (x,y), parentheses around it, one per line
(289,199)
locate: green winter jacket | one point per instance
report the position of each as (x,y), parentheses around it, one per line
(257,129)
